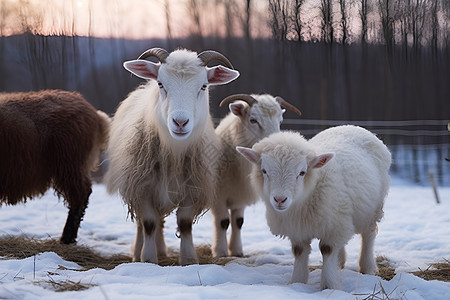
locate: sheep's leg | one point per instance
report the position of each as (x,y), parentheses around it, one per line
(149,222)
(301,251)
(237,220)
(160,243)
(221,223)
(138,243)
(330,271)
(185,218)
(77,199)
(342,257)
(367,263)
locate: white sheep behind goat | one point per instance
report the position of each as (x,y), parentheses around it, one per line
(251,118)
(163,148)
(329,188)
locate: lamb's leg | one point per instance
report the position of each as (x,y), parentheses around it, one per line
(330,271)
(342,257)
(77,197)
(136,249)
(237,220)
(367,264)
(160,242)
(149,219)
(301,251)
(221,223)
(185,217)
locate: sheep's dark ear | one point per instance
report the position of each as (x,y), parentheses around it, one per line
(142,68)
(249,154)
(321,160)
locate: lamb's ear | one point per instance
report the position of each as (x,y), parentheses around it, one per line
(238,108)
(221,75)
(321,160)
(142,68)
(249,154)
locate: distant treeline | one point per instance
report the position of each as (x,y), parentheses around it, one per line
(327,81)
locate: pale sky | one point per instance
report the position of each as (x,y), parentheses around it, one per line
(116,18)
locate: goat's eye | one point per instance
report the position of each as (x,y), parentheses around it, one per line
(160,85)
(253,121)
(302,173)
(264,171)
(203,88)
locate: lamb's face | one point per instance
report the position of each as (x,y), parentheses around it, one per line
(282,179)
(283,169)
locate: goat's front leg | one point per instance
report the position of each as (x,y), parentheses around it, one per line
(221,223)
(147,227)
(160,242)
(237,220)
(136,249)
(185,218)
(301,251)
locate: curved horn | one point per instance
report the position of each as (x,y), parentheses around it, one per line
(210,55)
(159,53)
(283,103)
(242,97)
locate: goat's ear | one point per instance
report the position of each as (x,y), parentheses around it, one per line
(238,108)
(142,68)
(249,154)
(221,75)
(321,160)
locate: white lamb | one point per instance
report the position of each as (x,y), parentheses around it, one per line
(251,118)
(329,188)
(163,148)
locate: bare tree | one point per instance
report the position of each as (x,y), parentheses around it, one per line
(279,10)
(434,27)
(326,12)
(344,24)
(388,14)
(297,18)
(168,14)
(363,13)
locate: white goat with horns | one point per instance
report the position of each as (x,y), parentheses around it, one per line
(251,118)
(163,149)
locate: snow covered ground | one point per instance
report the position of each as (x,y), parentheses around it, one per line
(414,232)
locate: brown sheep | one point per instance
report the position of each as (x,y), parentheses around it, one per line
(50,138)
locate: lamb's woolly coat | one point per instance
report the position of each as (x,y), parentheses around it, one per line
(352,185)
(342,198)
(50,138)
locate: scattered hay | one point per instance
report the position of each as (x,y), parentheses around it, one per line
(385,271)
(23,247)
(436,271)
(64,286)
(204,255)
